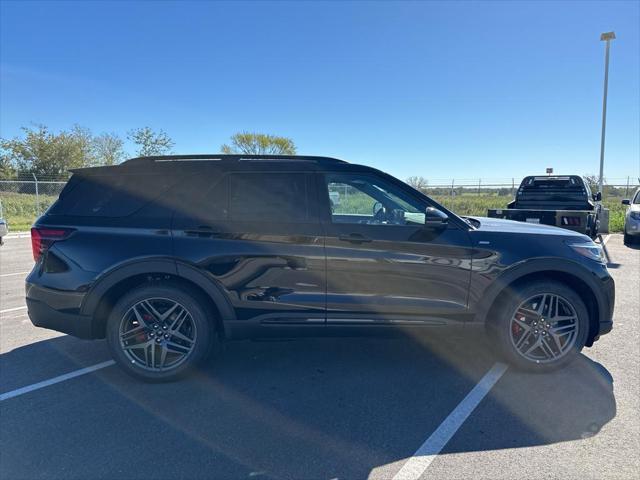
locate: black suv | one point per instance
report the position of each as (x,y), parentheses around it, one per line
(168,256)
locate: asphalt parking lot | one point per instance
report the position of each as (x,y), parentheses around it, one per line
(320,409)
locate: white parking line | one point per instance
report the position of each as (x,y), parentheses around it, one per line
(418,463)
(54,380)
(13,309)
(606,239)
(11,274)
(17,235)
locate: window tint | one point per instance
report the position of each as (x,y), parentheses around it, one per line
(636,200)
(371,200)
(109,195)
(202,198)
(268,197)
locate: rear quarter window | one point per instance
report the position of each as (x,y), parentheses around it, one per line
(109,195)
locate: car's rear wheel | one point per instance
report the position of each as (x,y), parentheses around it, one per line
(541,326)
(159,333)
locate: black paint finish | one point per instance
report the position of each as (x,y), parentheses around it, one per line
(273,276)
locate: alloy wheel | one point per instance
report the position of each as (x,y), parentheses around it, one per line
(544,328)
(157,334)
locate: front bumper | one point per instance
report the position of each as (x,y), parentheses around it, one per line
(606,300)
(631,226)
(60,311)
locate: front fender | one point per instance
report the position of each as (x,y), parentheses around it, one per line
(598,281)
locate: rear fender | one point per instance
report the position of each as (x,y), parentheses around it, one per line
(157,265)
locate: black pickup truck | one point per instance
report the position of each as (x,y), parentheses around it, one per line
(561,200)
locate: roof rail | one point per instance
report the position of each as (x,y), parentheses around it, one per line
(229,158)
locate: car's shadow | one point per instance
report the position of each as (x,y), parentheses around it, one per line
(309,408)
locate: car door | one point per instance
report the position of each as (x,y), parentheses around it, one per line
(384,266)
(258,235)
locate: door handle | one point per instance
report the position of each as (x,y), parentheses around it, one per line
(354,238)
(202,231)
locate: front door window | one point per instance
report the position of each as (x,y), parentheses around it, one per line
(364,199)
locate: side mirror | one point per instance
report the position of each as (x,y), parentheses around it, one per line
(597,196)
(434,218)
(626,201)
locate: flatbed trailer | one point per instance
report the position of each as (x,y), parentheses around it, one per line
(560,201)
(583,221)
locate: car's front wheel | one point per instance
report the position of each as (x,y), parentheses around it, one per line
(159,332)
(628,239)
(541,326)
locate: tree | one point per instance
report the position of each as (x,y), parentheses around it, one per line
(108,149)
(47,154)
(419,183)
(259,144)
(149,142)
(594,182)
(7,170)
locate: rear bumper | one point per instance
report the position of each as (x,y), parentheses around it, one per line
(43,316)
(58,311)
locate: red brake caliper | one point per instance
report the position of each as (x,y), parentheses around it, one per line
(141,337)
(515,328)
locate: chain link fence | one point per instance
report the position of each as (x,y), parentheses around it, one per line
(22,201)
(614,187)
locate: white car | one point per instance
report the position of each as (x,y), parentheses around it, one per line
(632,219)
(4,226)
(4,229)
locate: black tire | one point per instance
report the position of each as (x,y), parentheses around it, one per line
(628,239)
(199,323)
(501,327)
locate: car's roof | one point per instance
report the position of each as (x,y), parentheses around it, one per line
(184,163)
(230,158)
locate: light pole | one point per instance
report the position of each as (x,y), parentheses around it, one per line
(605,37)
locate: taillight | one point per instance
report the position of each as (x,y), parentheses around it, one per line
(571,221)
(43,238)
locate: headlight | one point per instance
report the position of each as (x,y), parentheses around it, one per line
(635,215)
(589,250)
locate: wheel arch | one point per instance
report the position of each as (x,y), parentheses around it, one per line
(566,272)
(107,289)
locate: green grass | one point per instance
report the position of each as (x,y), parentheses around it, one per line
(19,209)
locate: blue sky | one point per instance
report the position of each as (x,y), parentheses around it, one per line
(443,90)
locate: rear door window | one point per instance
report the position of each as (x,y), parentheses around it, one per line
(202,198)
(269,197)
